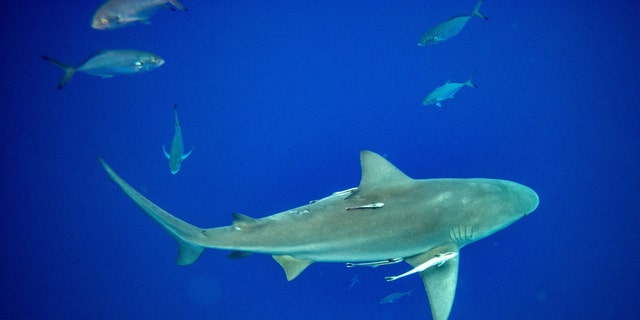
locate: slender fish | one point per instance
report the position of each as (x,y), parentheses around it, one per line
(107,64)
(446,91)
(175,155)
(394,297)
(115,14)
(450,28)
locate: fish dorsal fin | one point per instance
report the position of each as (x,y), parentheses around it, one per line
(292,266)
(377,171)
(241,221)
(439,281)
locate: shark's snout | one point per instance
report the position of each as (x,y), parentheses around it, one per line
(528,199)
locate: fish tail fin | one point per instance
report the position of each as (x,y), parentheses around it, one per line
(476,11)
(68,70)
(470,84)
(178,5)
(185,234)
(175,115)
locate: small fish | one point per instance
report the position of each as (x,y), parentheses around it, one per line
(438,260)
(107,64)
(354,281)
(374,264)
(115,14)
(394,297)
(368,206)
(450,28)
(446,91)
(175,155)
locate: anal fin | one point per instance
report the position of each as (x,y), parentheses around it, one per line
(187,252)
(292,266)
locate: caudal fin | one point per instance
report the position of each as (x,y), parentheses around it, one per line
(178,5)
(468,83)
(68,70)
(184,233)
(476,11)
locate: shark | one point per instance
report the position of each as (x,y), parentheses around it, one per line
(175,155)
(388,218)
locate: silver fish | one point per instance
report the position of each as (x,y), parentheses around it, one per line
(115,14)
(107,64)
(394,297)
(175,155)
(450,28)
(446,91)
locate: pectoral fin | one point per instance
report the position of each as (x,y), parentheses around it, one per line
(439,282)
(184,156)
(166,154)
(292,266)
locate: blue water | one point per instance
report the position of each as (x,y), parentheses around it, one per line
(278,97)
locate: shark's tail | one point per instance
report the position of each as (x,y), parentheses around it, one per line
(185,234)
(68,70)
(476,11)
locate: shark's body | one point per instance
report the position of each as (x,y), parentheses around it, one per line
(419,220)
(175,154)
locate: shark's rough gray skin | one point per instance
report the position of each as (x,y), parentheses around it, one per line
(414,220)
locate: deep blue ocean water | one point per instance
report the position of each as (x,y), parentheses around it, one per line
(277,98)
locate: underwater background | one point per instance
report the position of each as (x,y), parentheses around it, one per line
(277,98)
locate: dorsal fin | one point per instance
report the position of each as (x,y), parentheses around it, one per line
(240,220)
(377,171)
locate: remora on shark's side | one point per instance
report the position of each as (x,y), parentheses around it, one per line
(420,220)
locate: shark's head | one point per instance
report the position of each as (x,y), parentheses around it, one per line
(496,204)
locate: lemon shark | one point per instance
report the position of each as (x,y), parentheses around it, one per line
(388,218)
